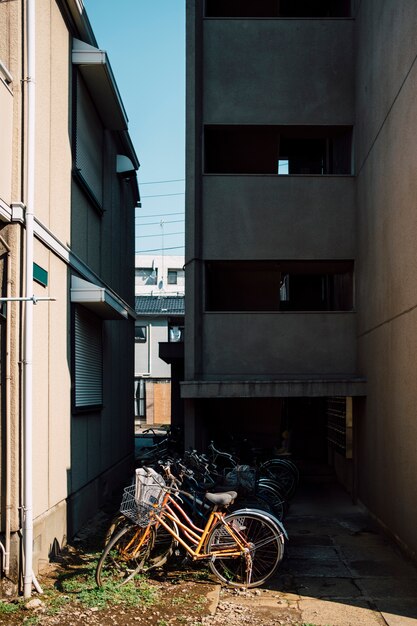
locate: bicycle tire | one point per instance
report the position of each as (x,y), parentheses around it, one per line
(120,561)
(273,497)
(252,501)
(266,549)
(164,543)
(281,473)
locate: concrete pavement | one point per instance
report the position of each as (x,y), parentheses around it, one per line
(339,570)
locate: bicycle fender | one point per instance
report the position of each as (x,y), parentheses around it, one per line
(265,515)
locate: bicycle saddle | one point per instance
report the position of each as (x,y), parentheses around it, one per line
(221,499)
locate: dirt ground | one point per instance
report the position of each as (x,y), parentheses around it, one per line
(181,594)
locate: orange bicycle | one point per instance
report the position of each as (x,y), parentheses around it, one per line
(243,548)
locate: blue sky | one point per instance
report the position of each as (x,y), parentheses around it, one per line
(145,41)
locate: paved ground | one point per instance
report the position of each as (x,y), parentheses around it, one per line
(338,570)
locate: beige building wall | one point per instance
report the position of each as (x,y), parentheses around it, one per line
(77,459)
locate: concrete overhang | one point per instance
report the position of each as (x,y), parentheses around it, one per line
(97,299)
(171,351)
(96,70)
(282,388)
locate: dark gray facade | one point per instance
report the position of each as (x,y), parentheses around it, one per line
(299,195)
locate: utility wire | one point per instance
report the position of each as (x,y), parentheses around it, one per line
(158,215)
(159,223)
(160,182)
(158,234)
(158,249)
(164,195)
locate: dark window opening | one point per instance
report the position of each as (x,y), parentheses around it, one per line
(279,286)
(176,329)
(140,334)
(278,8)
(281,150)
(172,277)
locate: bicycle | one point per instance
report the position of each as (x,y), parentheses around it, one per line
(242,548)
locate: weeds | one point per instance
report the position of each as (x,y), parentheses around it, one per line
(82,584)
(7,608)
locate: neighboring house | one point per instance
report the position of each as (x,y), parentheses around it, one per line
(68,191)
(157,275)
(300,238)
(160,319)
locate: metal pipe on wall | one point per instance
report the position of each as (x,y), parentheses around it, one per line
(28,323)
(7,495)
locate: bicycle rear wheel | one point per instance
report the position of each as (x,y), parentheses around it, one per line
(283,473)
(125,555)
(266,549)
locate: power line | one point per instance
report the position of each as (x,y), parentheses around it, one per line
(158,215)
(160,182)
(159,223)
(158,235)
(164,195)
(158,249)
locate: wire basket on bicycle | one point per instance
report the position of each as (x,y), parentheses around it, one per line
(144,497)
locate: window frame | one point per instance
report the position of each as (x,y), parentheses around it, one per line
(93,322)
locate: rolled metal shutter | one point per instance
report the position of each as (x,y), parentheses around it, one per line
(89,142)
(88,359)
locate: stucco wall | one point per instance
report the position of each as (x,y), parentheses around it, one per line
(246,77)
(266,345)
(147,359)
(387,265)
(289,217)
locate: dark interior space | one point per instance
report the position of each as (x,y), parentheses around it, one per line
(261,428)
(241,424)
(277,8)
(279,285)
(289,150)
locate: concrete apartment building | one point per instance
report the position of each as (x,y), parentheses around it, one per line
(159,305)
(300,238)
(68,191)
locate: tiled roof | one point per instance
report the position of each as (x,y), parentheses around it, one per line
(159,305)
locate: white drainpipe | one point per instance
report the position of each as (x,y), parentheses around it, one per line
(7,496)
(28,323)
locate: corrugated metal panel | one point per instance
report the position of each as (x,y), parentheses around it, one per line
(88,359)
(89,142)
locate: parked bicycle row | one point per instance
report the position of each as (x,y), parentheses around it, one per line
(160,518)
(269,485)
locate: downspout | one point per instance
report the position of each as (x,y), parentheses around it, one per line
(7,496)
(28,323)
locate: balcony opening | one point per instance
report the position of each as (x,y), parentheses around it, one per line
(279,286)
(281,150)
(278,8)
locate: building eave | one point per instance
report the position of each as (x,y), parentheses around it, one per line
(278,388)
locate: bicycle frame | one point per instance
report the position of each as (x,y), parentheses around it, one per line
(197,537)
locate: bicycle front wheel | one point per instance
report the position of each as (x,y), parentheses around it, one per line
(125,555)
(265,550)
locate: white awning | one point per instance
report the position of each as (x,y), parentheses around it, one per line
(97,299)
(97,73)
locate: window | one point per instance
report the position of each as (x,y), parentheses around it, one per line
(172,277)
(176,329)
(87,359)
(277,8)
(146,276)
(281,150)
(176,277)
(279,286)
(140,334)
(140,398)
(88,145)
